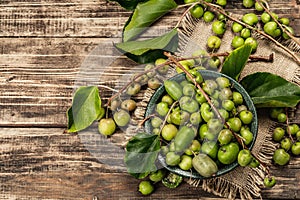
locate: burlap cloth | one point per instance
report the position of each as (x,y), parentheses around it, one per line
(243,182)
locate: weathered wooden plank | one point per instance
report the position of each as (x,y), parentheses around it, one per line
(93,19)
(90,185)
(44,163)
(23,47)
(67,20)
(38,76)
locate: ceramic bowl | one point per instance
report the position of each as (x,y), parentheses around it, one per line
(206,74)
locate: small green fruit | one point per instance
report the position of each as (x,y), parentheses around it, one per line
(228,153)
(169,132)
(274,112)
(221,2)
(121,117)
(225,137)
(298,136)
(185,163)
(245,33)
(248,3)
(133,89)
(235,124)
(197,11)
(293,129)
(237,42)
(281,157)
(151,73)
(286,144)
(128,105)
(237,98)
(265,18)
(195,118)
(107,126)
(172,159)
(154,83)
(278,134)
(214,42)
(246,116)
(236,27)
(258,7)
(189,1)
(210,148)
(254,163)
(270,28)
(244,157)
(290,30)
(146,188)
(285,21)
(253,43)
(168,99)
(208,16)
(296,148)
(223,82)
(157,175)
(269,182)
(164,69)
(162,108)
(247,136)
(228,105)
(281,117)
(218,27)
(250,19)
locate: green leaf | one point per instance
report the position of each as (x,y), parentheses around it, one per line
(129,4)
(141,154)
(101,113)
(85,109)
(144,15)
(269,90)
(236,61)
(145,51)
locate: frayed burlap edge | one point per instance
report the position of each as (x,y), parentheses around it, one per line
(296,78)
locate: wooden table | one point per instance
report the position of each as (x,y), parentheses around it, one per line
(42,47)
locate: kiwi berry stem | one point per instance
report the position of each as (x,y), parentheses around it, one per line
(135,78)
(287,126)
(166,117)
(185,13)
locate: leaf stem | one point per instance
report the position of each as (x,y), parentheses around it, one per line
(185,12)
(144,120)
(137,76)
(109,88)
(166,118)
(287,126)
(269,58)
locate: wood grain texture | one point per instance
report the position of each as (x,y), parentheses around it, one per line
(40,163)
(39,64)
(47,49)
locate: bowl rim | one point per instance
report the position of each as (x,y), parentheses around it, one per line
(206,74)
